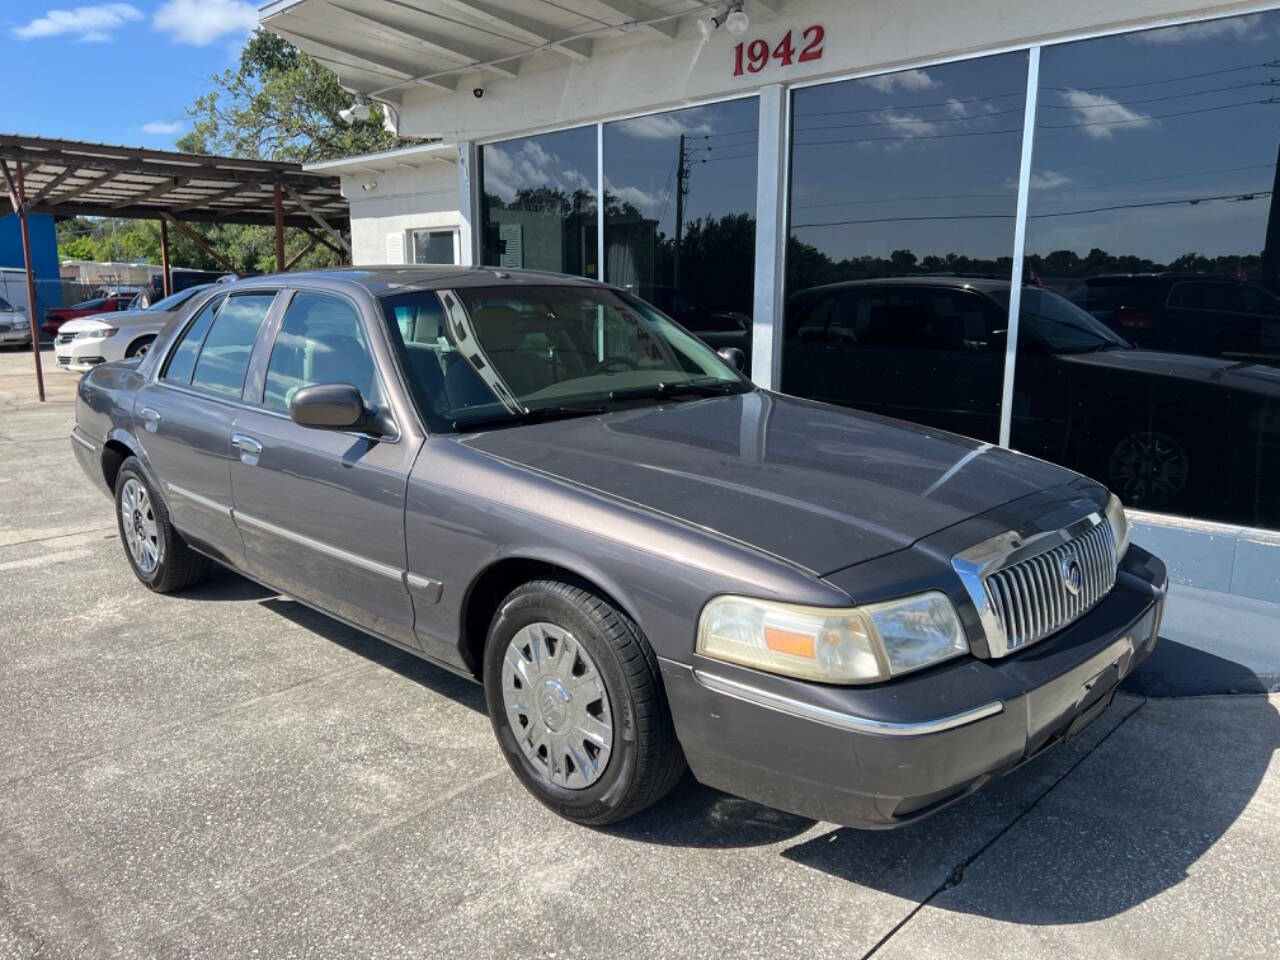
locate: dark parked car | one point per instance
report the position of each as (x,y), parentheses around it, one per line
(546,485)
(1165,431)
(1196,313)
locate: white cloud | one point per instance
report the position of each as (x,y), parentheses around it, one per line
(1248,28)
(661,126)
(956,109)
(1041,180)
(642,200)
(906,80)
(160,128)
(1099,115)
(508,169)
(95,24)
(200,22)
(906,124)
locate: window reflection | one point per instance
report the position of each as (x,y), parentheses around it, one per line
(897,182)
(1151,209)
(538,202)
(680,204)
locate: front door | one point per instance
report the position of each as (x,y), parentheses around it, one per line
(183,419)
(322,511)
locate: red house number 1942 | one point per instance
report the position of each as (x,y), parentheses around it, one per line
(755,55)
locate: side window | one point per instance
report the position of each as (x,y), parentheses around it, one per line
(1259,301)
(1206,296)
(224,358)
(183,359)
(320,341)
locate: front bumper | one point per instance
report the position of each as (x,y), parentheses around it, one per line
(79,355)
(882,756)
(22,335)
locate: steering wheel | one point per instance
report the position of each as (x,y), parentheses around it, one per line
(614,364)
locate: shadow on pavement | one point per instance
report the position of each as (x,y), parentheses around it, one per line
(223,583)
(1177,670)
(1124,826)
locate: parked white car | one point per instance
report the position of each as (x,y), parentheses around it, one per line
(14,325)
(85,342)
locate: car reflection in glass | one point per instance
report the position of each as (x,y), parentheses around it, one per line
(1181,432)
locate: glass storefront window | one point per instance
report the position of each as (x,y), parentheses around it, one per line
(1152,223)
(680,215)
(902,204)
(538,202)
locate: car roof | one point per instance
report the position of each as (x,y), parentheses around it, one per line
(980,284)
(381,281)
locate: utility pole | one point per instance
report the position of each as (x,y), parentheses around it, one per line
(1271,250)
(682,187)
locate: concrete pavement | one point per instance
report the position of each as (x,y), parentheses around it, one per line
(227,774)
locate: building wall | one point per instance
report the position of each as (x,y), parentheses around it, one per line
(635,74)
(397,201)
(44,253)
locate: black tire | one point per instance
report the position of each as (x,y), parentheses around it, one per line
(645,760)
(177,566)
(139,346)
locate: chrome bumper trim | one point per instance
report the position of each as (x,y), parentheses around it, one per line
(185,494)
(835,718)
(328,549)
(87,444)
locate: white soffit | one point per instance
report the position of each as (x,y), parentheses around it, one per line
(385,47)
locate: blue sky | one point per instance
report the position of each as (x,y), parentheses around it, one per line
(114,72)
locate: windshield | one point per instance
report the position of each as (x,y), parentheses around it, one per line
(4,306)
(500,355)
(1063,326)
(175,300)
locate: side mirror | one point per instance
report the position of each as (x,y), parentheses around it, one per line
(733,356)
(329,406)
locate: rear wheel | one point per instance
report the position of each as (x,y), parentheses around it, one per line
(160,558)
(577,705)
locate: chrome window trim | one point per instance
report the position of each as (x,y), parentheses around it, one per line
(1007,549)
(838,719)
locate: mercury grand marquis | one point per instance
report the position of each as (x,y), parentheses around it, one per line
(544,484)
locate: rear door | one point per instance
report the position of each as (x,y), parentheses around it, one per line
(183,418)
(322,511)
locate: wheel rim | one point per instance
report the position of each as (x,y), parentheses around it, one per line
(556,705)
(142,349)
(1148,467)
(138,520)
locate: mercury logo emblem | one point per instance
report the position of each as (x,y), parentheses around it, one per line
(1072,575)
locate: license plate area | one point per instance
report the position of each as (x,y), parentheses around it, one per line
(1096,695)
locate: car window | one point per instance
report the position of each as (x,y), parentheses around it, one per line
(224,356)
(183,359)
(1259,301)
(4,306)
(320,341)
(1194,295)
(174,300)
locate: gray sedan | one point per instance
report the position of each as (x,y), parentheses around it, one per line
(546,485)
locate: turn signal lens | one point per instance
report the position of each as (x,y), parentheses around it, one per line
(833,645)
(1119,523)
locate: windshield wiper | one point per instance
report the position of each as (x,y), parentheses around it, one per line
(696,388)
(529,415)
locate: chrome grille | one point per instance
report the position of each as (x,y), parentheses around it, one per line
(1032,598)
(65,338)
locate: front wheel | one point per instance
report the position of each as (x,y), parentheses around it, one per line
(160,558)
(139,347)
(577,705)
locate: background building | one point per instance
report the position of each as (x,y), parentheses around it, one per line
(1049,226)
(44,255)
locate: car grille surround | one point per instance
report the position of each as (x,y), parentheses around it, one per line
(1026,589)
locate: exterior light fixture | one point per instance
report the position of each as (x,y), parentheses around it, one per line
(357,111)
(733,18)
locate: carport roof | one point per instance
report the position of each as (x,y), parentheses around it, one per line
(71,177)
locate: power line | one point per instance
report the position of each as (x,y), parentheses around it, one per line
(1173,96)
(898,123)
(1185,76)
(1158,116)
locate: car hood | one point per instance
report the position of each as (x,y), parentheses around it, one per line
(94,321)
(1218,371)
(820,486)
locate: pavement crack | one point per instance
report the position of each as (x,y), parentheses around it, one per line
(57,536)
(956,875)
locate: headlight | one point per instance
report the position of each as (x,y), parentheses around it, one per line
(1119,523)
(97,333)
(834,645)
(20,323)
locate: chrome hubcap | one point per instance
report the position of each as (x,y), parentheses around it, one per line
(141,535)
(556,705)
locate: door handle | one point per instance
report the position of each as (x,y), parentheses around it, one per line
(250,449)
(150,419)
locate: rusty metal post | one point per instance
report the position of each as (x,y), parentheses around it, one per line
(279,195)
(33,314)
(164,257)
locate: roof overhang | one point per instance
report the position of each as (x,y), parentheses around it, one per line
(406,158)
(385,48)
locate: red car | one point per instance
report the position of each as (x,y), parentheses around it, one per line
(55,317)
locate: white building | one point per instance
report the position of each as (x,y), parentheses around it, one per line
(829,180)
